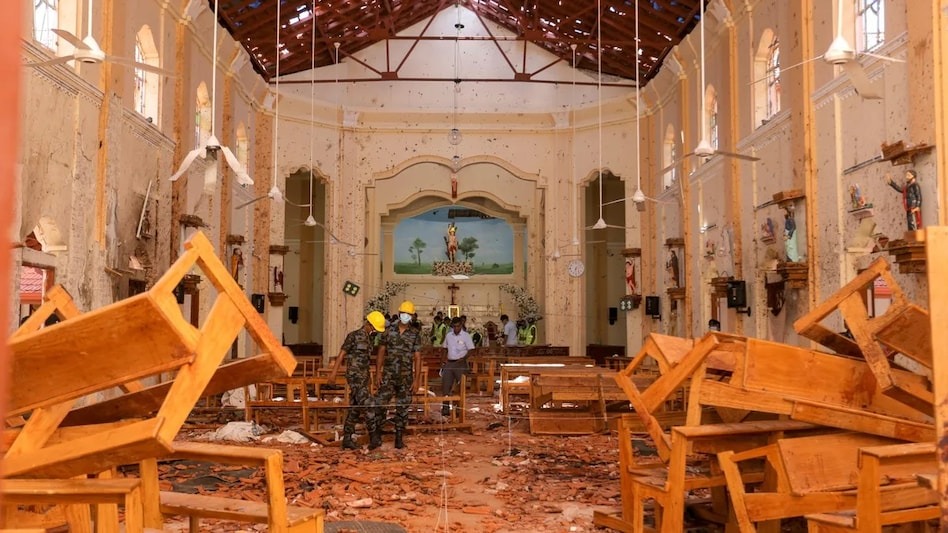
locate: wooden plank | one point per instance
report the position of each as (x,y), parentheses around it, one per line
(803,324)
(229,376)
(95,453)
(862,421)
(218,333)
(775,369)
(824,462)
(909,333)
(174,503)
(100,349)
(937,247)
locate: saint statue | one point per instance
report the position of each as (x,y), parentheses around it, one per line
(630,275)
(671,266)
(451,242)
(767,230)
(790,236)
(911,198)
(236,262)
(277,279)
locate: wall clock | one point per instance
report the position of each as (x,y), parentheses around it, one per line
(575,268)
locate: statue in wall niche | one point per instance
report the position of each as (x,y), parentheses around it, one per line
(236,262)
(630,275)
(277,279)
(451,242)
(856,198)
(790,235)
(671,266)
(911,198)
(767,230)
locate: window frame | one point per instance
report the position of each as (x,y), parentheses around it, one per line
(862,21)
(43,24)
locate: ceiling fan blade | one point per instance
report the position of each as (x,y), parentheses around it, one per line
(188,159)
(71,39)
(125,62)
(249,202)
(784,69)
(861,81)
(675,163)
(50,62)
(884,58)
(737,155)
(242,177)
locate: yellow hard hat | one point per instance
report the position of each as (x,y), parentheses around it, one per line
(377,320)
(407,307)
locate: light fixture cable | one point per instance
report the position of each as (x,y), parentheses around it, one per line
(311,220)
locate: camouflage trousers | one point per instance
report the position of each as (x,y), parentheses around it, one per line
(397,387)
(360,407)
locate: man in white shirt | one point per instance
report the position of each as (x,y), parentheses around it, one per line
(510,331)
(459,343)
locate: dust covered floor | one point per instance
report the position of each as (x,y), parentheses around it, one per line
(498,478)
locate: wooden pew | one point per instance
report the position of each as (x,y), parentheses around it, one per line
(887,493)
(109,350)
(573,400)
(514,376)
(812,474)
(904,327)
(667,485)
(851,481)
(272,511)
(107,494)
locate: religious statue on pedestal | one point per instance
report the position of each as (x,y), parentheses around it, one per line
(451,242)
(790,235)
(671,266)
(911,198)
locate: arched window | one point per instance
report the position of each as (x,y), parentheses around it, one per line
(202,115)
(773,78)
(711,120)
(242,150)
(669,156)
(766,88)
(45,19)
(146,83)
(870,24)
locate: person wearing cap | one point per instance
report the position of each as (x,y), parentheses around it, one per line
(357,352)
(399,356)
(459,343)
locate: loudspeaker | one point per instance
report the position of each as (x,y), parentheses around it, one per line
(653,306)
(613,315)
(736,294)
(293,313)
(258,301)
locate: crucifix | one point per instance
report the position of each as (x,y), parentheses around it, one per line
(454,289)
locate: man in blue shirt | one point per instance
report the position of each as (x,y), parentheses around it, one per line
(459,343)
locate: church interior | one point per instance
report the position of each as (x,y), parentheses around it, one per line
(718,228)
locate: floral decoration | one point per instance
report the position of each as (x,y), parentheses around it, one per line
(527,307)
(382,300)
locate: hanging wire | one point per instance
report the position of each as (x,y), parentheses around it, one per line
(312,117)
(599,92)
(572,118)
(276,105)
(638,108)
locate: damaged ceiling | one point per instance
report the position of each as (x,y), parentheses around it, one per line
(553,25)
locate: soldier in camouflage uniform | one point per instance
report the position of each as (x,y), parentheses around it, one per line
(357,352)
(399,355)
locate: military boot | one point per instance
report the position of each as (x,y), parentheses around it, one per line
(375,439)
(348,443)
(399,443)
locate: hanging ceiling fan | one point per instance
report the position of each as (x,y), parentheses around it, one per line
(842,54)
(638,197)
(601,222)
(704,150)
(211,147)
(88,51)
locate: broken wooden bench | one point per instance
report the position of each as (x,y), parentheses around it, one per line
(273,511)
